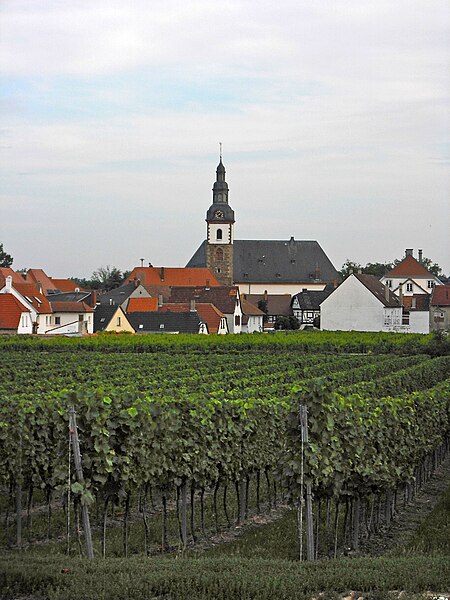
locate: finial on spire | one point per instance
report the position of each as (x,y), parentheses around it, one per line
(220,146)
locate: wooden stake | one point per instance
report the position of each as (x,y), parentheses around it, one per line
(79,474)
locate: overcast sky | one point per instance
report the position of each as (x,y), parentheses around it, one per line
(333,114)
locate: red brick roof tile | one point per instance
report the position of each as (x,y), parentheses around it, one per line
(173,276)
(409,267)
(34,297)
(441,296)
(10,312)
(142,305)
(70,307)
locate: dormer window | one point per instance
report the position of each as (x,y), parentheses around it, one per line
(430,284)
(409,287)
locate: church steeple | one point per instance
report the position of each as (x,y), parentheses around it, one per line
(220,221)
(220,209)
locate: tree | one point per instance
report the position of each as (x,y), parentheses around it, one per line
(107,278)
(287,323)
(349,267)
(380,269)
(6,260)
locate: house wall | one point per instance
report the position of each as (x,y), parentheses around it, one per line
(124,323)
(25,324)
(255,323)
(278,288)
(419,321)
(440,318)
(69,324)
(352,307)
(420,284)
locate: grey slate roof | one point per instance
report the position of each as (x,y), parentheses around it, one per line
(276,261)
(311,299)
(117,295)
(69,297)
(164,322)
(103,314)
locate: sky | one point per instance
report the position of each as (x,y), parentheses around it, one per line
(333,114)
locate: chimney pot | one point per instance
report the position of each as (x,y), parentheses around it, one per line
(9,282)
(420,255)
(161,273)
(192,307)
(160,300)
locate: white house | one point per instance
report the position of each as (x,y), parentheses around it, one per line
(361,303)
(410,277)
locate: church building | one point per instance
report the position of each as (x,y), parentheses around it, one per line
(258,266)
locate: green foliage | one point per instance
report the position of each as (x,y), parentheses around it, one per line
(6,260)
(59,578)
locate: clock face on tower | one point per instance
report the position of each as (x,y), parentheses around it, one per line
(218,214)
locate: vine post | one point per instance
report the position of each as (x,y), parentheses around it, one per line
(79,474)
(303,418)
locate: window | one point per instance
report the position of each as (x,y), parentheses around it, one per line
(237,320)
(430,284)
(80,318)
(161,326)
(57,320)
(219,254)
(409,287)
(389,283)
(118,321)
(219,234)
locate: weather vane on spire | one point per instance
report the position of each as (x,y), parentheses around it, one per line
(220,146)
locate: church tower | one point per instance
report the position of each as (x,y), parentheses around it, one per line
(219,230)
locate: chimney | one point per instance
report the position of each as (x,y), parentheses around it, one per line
(335,283)
(9,282)
(93,301)
(142,261)
(265,295)
(408,252)
(161,273)
(292,239)
(160,300)
(40,287)
(207,284)
(420,255)
(386,292)
(192,306)
(150,264)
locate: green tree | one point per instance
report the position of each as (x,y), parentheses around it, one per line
(349,267)
(107,278)
(6,260)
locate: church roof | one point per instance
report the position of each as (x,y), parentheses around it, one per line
(276,261)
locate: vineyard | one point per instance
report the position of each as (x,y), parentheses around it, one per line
(182,439)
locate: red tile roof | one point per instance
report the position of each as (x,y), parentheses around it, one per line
(8,272)
(173,276)
(224,297)
(40,278)
(142,305)
(207,312)
(10,312)
(71,307)
(66,285)
(409,267)
(34,297)
(441,295)
(250,309)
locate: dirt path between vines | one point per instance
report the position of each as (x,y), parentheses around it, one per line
(409,517)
